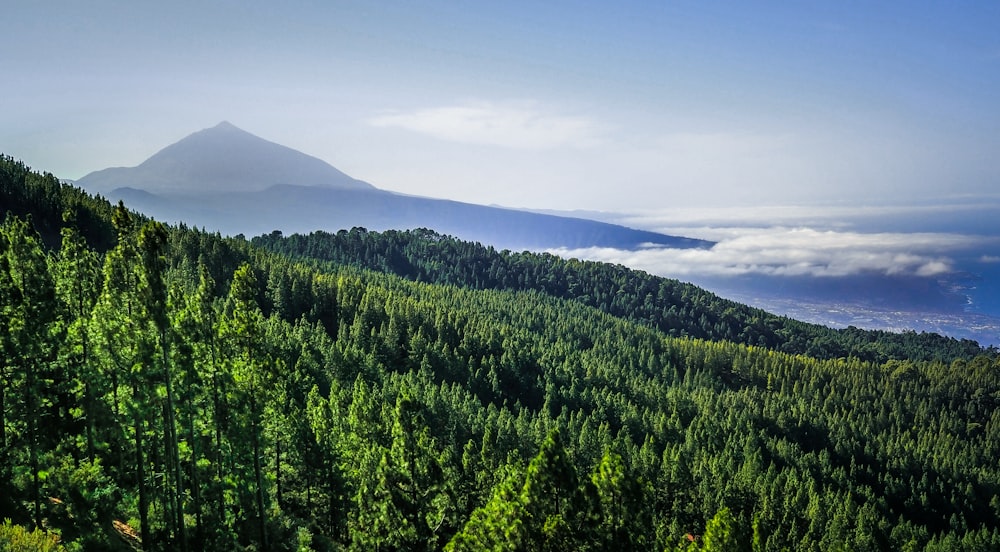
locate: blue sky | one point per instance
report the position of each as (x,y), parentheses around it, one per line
(563,105)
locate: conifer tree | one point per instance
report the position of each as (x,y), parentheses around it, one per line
(32,307)
(128,350)
(721,534)
(242,329)
(152,242)
(78,285)
(9,303)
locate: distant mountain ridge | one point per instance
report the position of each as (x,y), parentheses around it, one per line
(228,180)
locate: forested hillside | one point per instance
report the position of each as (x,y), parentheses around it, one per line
(168,389)
(676,308)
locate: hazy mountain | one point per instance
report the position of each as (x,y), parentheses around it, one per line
(228,180)
(222,159)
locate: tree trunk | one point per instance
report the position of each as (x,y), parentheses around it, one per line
(173,450)
(89,413)
(140,473)
(257,472)
(277,467)
(217,414)
(114,391)
(88,392)
(195,485)
(3,412)
(36,484)
(333,500)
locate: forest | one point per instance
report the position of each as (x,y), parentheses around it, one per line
(166,388)
(675,308)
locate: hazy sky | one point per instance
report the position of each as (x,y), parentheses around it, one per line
(590,105)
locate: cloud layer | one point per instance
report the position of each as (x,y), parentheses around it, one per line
(784,251)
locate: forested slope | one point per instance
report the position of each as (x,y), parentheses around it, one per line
(181,391)
(26,192)
(676,308)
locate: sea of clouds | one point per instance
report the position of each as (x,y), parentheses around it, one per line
(818,241)
(923,267)
(793,251)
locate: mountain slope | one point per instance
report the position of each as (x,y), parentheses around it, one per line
(227,180)
(673,307)
(292,404)
(300,209)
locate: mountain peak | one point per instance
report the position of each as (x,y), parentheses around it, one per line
(225,126)
(223,158)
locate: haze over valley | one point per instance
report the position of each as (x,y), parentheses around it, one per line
(785,120)
(873,267)
(814,144)
(227,180)
(923,267)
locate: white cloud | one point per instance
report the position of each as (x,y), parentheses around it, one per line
(781,251)
(933,268)
(522,125)
(718,222)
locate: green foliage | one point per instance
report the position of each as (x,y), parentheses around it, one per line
(675,308)
(25,192)
(199,392)
(15,538)
(499,524)
(721,534)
